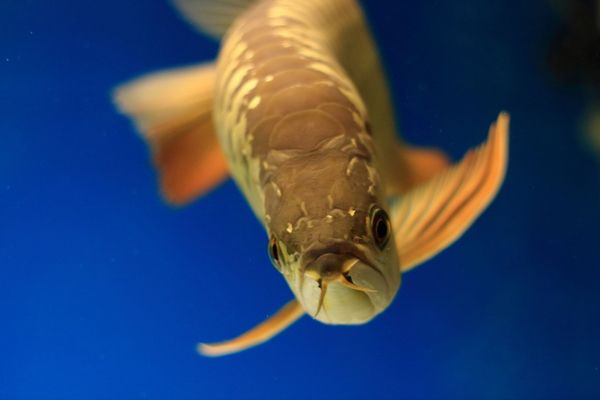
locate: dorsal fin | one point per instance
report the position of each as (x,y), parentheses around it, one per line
(212,16)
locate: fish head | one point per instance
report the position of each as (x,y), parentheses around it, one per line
(333,242)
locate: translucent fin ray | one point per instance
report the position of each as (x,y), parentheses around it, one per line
(212,16)
(261,333)
(435,214)
(173,112)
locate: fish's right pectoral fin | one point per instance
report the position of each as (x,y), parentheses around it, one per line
(261,333)
(173,112)
(433,215)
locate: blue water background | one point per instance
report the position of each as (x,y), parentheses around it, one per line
(104,290)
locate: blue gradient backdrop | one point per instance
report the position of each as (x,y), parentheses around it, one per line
(104,290)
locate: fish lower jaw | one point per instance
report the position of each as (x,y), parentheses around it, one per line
(341,305)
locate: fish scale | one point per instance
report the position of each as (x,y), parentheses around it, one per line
(296,74)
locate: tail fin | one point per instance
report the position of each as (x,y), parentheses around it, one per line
(173,112)
(212,16)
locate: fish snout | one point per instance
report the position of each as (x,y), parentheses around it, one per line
(326,267)
(342,289)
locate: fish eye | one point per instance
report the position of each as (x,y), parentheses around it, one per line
(380,227)
(274,252)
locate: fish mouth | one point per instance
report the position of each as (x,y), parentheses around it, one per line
(355,285)
(335,258)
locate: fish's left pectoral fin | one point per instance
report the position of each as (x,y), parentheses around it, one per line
(173,111)
(435,214)
(261,333)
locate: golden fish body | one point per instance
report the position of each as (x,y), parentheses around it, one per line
(299,143)
(297,110)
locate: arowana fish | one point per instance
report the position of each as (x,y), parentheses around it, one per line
(297,110)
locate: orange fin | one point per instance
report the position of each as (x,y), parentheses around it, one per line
(422,164)
(412,166)
(435,214)
(264,331)
(173,112)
